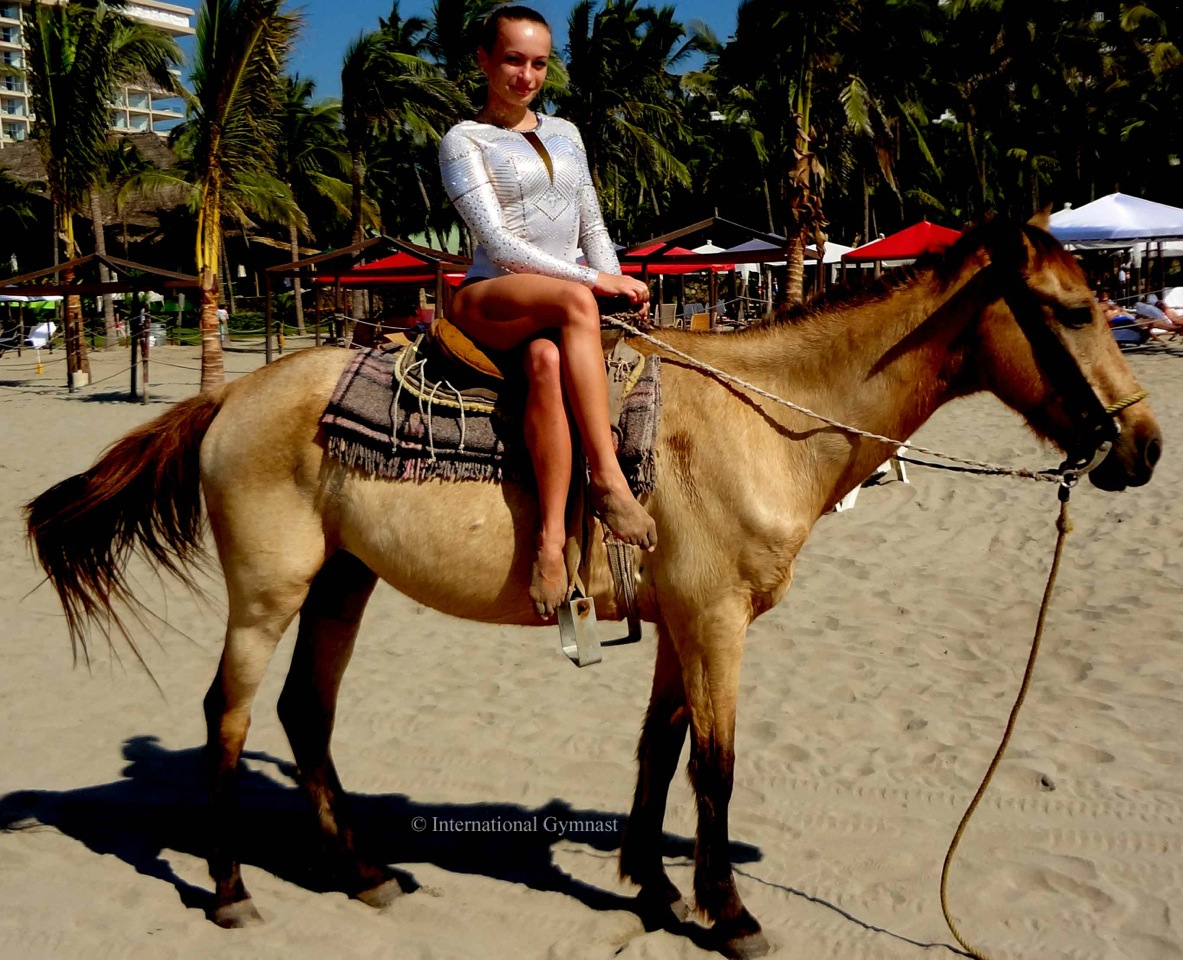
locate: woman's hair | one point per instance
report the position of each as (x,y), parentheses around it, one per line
(507,11)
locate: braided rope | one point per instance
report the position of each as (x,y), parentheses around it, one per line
(1115,408)
(975,466)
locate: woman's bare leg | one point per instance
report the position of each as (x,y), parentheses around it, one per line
(548,437)
(505,311)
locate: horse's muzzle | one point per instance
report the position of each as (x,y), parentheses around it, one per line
(1131,462)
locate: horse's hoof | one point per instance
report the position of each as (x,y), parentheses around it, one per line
(663,909)
(236,915)
(746,947)
(381,896)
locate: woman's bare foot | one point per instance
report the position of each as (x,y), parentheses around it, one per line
(548,581)
(624,516)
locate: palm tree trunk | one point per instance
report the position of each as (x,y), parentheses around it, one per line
(294,237)
(427,231)
(358,179)
(100,247)
(77,362)
(795,279)
(227,279)
(209,244)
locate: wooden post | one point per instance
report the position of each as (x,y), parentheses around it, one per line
(20,340)
(145,331)
(316,303)
(712,296)
(439,290)
(340,334)
(267,322)
(134,343)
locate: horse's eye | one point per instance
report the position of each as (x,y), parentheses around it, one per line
(1077,317)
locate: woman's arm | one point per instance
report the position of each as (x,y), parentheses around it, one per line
(594,240)
(471,192)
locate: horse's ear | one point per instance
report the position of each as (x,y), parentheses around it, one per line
(1007,244)
(1043,219)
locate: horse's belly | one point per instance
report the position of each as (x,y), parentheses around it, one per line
(463,548)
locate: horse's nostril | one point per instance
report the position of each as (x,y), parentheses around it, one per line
(1153,452)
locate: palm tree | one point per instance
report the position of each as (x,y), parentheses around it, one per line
(450,43)
(388,89)
(119,160)
(80,54)
(622,96)
(385,88)
(309,151)
(228,138)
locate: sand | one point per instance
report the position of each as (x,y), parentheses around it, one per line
(871,701)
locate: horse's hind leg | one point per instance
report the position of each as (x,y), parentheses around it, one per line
(658,751)
(329,621)
(262,604)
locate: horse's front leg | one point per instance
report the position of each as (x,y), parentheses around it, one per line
(710,663)
(658,750)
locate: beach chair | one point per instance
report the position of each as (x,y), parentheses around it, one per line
(696,317)
(1127,333)
(666,315)
(890,465)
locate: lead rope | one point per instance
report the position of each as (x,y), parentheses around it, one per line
(1063,527)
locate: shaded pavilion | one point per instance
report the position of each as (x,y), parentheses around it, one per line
(355,268)
(81,278)
(659,256)
(908,244)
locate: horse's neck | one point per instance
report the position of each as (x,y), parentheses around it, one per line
(878,366)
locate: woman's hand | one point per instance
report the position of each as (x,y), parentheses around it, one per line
(616,285)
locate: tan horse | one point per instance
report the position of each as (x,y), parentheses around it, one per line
(741,483)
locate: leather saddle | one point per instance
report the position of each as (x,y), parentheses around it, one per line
(483,376)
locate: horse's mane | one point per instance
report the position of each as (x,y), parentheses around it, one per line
(994,232)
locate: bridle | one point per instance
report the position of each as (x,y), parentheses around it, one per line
(1094,425)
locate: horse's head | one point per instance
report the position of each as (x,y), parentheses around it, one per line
(1048,353)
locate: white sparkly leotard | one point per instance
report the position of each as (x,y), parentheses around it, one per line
(528,200)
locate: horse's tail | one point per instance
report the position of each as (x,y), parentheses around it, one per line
(143,494)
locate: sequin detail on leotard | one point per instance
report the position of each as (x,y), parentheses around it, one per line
(524,219)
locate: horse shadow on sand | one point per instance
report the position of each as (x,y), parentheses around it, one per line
(160,804)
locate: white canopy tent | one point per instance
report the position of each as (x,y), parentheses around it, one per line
(1117,220)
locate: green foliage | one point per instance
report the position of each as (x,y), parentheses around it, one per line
(80,54)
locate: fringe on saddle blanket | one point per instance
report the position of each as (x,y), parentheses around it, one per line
(372,426)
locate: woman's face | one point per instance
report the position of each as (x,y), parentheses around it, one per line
(516,66)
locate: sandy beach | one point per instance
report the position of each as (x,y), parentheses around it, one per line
(872,699)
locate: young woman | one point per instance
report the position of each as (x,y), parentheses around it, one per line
(520,181)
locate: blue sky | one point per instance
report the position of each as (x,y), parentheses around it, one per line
(331,24)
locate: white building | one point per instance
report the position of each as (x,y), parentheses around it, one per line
(136,109)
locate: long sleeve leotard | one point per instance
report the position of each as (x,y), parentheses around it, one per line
(528,200)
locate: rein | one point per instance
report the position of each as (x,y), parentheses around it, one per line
(1096,429)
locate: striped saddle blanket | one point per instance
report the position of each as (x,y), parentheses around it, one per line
(396,413)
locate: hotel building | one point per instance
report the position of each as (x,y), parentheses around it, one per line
(135,110)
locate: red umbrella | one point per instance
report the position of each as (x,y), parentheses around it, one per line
(631,267)
(915,241)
